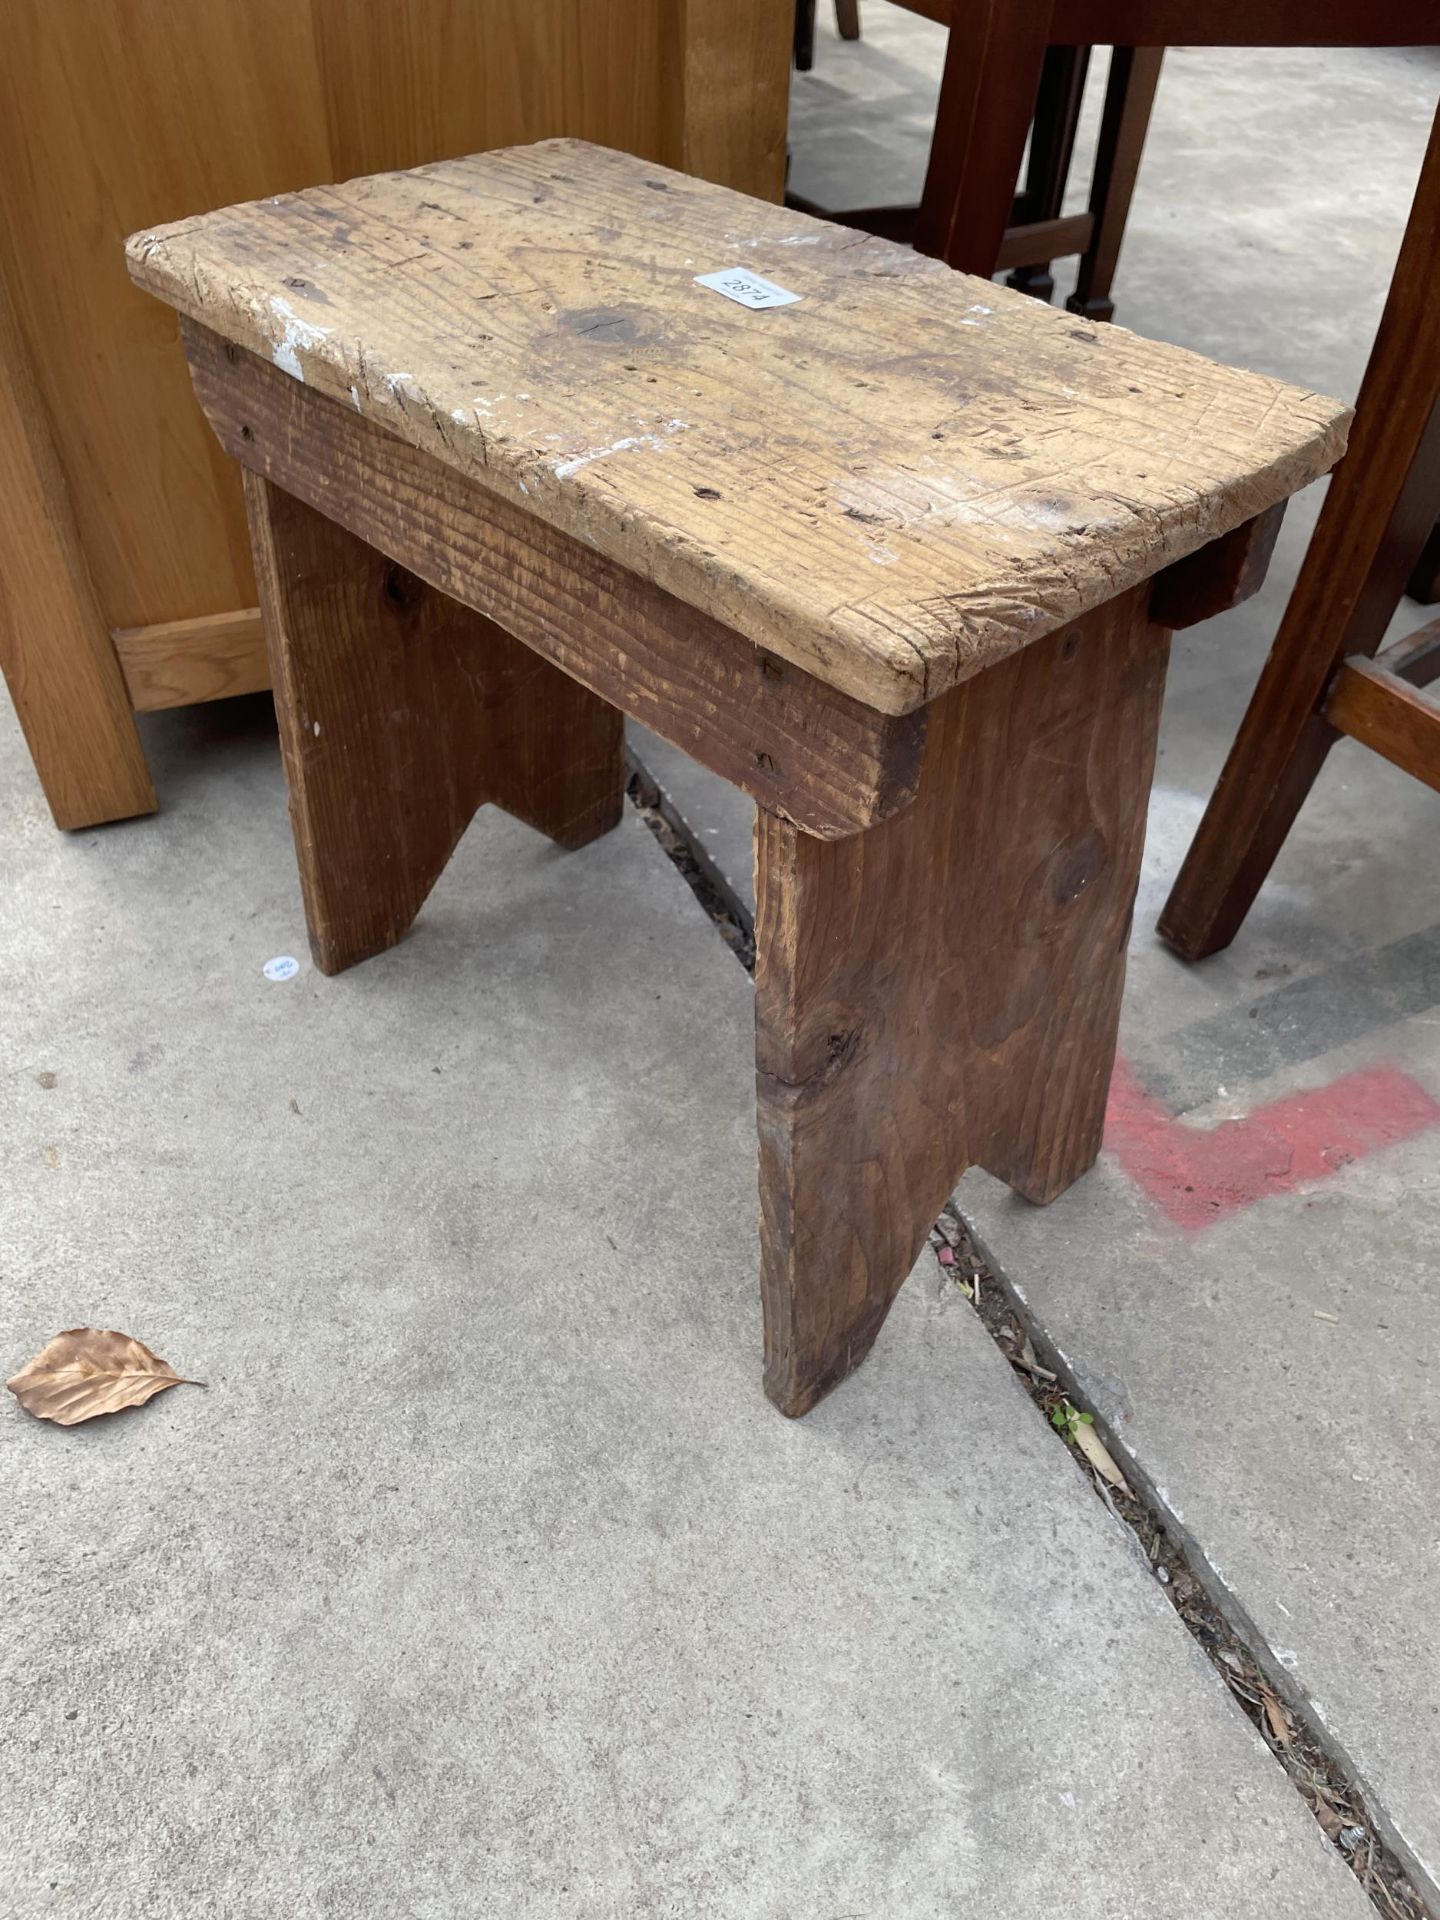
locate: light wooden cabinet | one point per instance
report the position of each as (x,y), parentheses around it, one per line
(125,578)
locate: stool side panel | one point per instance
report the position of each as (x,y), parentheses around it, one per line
(945,992)
(401,713)
(893,482)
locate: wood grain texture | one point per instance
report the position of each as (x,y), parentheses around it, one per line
(1388,715)
(180,662)
(794,743)
(401,712)
(892,483)
(54,646)
(112,115)
(728,71)
(945,990)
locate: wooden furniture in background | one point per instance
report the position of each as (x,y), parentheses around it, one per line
(996,55)
(847,25)
(882,556)
(125,572)
(1038,231)
(1325,676)
(1040,201)
(55,648)
(1424,582)
(1378,523)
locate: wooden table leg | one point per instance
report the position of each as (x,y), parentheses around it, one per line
(803,51)
(401,712)
(944,990)
(1129,98)
(1052,147)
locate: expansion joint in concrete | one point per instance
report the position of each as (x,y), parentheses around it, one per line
(1343,1805)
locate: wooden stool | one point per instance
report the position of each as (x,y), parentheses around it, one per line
(884,555)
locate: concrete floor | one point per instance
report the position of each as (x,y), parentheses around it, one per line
(482,1579)
(1261,1338)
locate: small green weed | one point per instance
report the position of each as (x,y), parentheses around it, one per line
(1070,1419)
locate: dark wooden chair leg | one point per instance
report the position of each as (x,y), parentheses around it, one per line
(944,990)
(401,712)
(988,90)
(804,44)
(1129,98)
(1377,516)
(983,119)
(1424,582)
(847,19)
(1052,147)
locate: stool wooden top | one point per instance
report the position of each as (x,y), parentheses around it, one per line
(894,481)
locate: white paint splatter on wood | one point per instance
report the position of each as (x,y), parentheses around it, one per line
(296,333)
(658,441)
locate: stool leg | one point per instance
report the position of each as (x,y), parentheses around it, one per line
(401,712)
(944,990)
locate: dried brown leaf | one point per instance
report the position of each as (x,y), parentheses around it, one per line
(1098,1454)
(1329,1821)
(1275,1716)
(1242,1689)
(84,1372)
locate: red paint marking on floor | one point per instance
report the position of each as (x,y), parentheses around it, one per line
(1199,1176)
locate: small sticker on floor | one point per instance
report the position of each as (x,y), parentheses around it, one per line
(283,967)
(747,288)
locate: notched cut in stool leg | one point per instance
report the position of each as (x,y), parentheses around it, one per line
(401,713)
(944,990)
